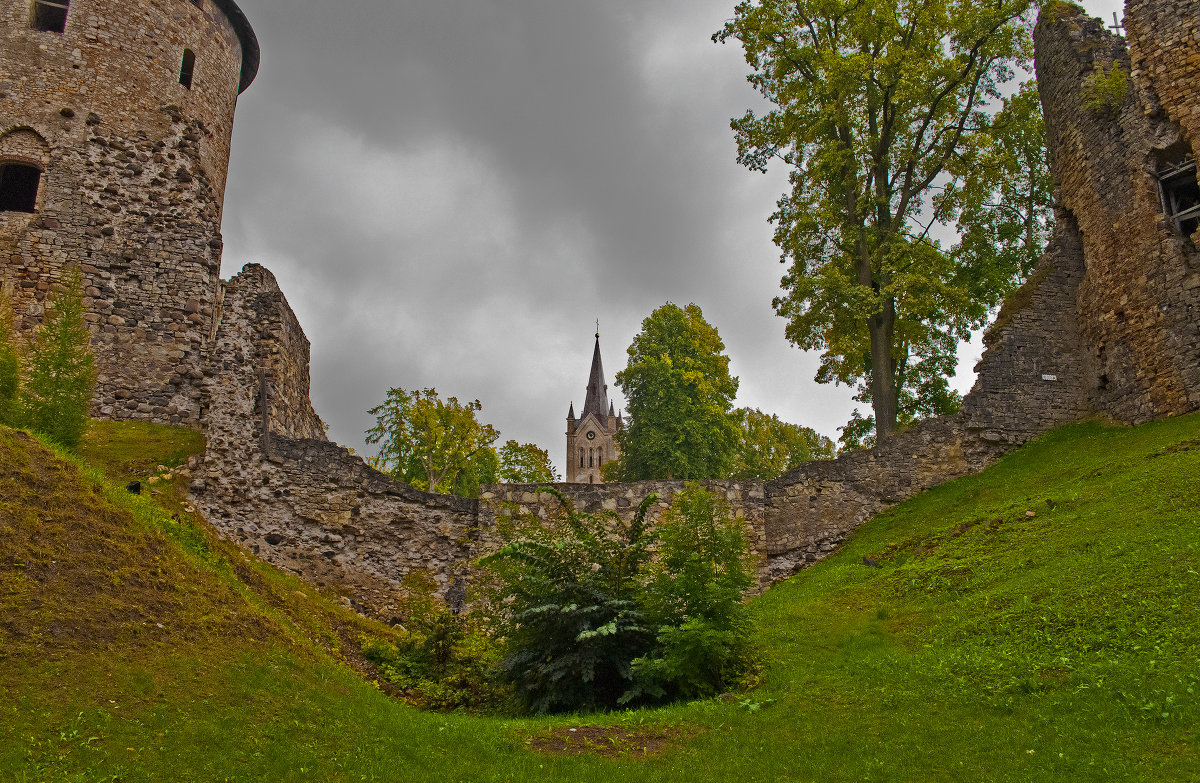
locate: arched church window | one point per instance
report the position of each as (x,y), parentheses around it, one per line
(49,16)
(591,458)
(19,187)
(581,458)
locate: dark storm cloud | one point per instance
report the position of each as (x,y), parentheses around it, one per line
(451,192)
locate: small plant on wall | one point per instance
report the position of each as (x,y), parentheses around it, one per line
(1105,90)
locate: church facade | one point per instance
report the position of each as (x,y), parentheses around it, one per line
(591,438)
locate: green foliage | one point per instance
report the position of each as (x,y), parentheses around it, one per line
(598,613)
(692,597)
(440,659)
(61,370)
(10,364)
(1105,91)
(525,463)
(433,444)
(769,447)
(874,106)
(566,596)
(679,394)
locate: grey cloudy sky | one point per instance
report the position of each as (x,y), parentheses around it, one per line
(450,192)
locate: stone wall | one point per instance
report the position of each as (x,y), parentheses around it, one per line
(133,172)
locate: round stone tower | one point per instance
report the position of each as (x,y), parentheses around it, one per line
(115,123)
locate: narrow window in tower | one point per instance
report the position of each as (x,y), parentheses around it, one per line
(581,458)
(18,187)
(591,459)
(188,67)
(49,16)
(1181,195)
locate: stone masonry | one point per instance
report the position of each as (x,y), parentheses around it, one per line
(133,167)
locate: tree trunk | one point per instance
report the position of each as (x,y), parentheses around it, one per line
(883,369)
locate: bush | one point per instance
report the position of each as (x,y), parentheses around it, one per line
(566,593)
(440,659)
(61,368)
(596,613)
(692,594)
(1104,91)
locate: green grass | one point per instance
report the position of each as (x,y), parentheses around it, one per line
(990,645)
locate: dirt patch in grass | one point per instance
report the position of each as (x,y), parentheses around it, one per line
(608,741)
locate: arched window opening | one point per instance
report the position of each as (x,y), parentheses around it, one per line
(49,16)
(187,68)
(591,458)
(591,479)
(18,187)
(581,458)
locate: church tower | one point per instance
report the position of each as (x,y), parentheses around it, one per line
(591,439)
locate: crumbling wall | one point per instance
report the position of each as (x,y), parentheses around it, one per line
(272,481)
(1137,304)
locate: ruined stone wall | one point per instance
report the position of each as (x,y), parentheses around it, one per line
(1139,298)
(272,482)
(133,171)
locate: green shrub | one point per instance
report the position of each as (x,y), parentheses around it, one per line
(596,613)
(61,368)
(692,595)
(566,594)
(440,659)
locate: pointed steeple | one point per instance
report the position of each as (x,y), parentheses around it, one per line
(597,390)
(571,412)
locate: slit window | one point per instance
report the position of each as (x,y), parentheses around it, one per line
(187,68)
(18,187)
(50,16)
(1181,195)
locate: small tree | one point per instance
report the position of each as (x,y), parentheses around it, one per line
(10,364)
(525,463)
(433,444)
(61,367)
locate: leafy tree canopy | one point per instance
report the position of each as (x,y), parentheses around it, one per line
(880,115)
(525,463)
(768,447)
(678,394)
(433,444)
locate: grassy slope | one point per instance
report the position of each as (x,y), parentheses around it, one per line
(990,645)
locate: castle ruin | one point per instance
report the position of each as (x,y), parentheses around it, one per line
(128,184)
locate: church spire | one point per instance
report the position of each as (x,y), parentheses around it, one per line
(597,390)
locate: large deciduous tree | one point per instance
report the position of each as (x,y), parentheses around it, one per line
(433,444)
(881,115)
(678,394)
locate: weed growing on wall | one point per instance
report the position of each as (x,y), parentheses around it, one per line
(1105,91)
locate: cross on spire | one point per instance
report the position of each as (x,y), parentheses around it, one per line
(1116,26)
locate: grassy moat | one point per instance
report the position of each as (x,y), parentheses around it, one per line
(1037,622)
